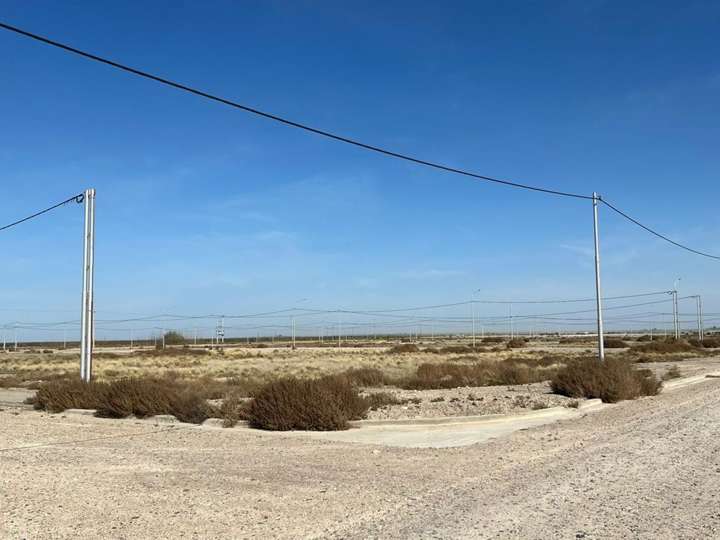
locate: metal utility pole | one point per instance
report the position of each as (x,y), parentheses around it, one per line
(339,333)
(292,325)
(163,338)
(598,288)
(702,322)
(87,317)
(676,315)
(699,314)
(131,340)
(512,330)
(472,304)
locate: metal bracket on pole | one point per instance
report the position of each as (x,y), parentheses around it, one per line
(598,289)
(87,322)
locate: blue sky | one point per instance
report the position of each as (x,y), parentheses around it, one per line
(205,209)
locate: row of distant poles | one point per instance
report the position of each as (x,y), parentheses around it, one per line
(88,298)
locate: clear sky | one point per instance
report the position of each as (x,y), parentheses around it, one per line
(201,208)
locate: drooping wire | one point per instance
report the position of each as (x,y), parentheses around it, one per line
(285,121)
(77,198)
(661,236)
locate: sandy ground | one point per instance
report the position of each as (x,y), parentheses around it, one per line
(643,469)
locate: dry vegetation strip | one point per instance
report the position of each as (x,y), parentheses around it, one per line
(321,402)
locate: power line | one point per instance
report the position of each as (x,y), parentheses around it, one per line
(77,198)
(285,121)
(661,236)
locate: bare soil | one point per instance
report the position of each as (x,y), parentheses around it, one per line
(641,469)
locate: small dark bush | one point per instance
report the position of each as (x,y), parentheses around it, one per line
(492,339)
(56,396)
(672,373)
(645,337)
(456,349)
(366,376)
(613,380)
(404,348)
(148,397)
(233,409)
(174,338)
(454,375)
(707,343)
(323,404)
(664,347)
(516,343)
(614,343)
(125,397)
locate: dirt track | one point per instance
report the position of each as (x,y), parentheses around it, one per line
(644,469)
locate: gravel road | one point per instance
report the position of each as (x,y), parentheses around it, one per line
(643,469)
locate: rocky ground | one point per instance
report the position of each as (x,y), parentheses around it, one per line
(469,401)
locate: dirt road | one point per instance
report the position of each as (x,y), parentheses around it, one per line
(643,469)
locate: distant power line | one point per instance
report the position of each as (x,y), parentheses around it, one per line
(335,136)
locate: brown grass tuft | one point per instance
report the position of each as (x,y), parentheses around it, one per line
(664,347)
(516,343)
(614,343)
(366,376)
(404,348)
(613,380)
(454,375)
(323,404)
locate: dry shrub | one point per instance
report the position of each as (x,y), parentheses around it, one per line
(453,375)
(492,339)
(56,396)
(664,347)
(516,343)
(575,340)
(365,376)
(614,343)
(10,381)
(707,343)
(125,397)
(106,356)
(148,397)
(171,352)
(612,380)
(645,337)
(456,349)
(404,348)
(323,404)
(233,409)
